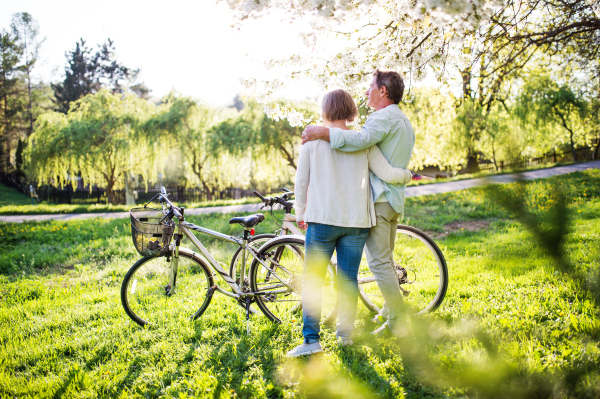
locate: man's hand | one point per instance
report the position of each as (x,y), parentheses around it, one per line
(313,132)
(302,225)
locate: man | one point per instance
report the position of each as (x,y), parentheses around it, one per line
(389,129)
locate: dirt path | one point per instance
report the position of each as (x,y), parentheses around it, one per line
(435,188)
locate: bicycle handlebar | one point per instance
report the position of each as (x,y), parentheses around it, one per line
(259,196)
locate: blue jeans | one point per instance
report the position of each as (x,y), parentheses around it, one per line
(321,241)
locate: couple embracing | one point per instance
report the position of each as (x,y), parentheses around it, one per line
(357,182)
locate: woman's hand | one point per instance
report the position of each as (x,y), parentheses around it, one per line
(302,225)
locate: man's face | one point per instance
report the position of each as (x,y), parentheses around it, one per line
(374,94)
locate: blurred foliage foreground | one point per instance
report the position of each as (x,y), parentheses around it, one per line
(521,318)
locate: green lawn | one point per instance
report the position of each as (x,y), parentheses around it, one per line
(63,331)
(11,197)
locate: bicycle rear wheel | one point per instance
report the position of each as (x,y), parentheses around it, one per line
(147,299)
(285,257)
(236,261)
(421,269)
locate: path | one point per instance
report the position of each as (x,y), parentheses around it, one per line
(426,189)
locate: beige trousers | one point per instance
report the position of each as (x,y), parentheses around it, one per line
(379,249)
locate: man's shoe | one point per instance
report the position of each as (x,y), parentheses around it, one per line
(305,349)
(344,341)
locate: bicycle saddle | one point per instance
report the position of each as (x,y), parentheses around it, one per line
(248,221)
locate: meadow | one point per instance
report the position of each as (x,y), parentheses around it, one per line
(64,332)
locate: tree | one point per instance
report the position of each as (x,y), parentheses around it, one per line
(432,115)
(99,139)
(544,103)
(87,74)
(255,129)
(27,29)
(485,41)
(10,102)
(186,123)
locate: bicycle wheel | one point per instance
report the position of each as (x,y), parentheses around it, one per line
(285,258)
(147,299)
(421,269)
(235,266)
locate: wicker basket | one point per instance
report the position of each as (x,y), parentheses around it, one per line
(150,237)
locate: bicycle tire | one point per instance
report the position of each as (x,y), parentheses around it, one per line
(416,252)
(287,306)
(145,299)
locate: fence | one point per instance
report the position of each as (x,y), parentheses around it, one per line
(98,195)
(582,154)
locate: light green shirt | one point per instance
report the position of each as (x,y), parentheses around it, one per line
(391,130)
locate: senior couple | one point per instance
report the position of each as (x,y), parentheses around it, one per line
(349,195)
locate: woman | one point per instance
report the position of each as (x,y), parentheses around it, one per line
(339,212)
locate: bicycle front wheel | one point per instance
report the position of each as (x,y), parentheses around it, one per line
(285,260)
(148,299)
(421,269)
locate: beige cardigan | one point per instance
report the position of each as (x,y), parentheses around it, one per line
(340,192)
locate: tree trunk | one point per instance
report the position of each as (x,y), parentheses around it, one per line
(472,163)
(110,198)
(30,111)
(573,147)
(129,186)
(207,190)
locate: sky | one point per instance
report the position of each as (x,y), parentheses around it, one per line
(188,46)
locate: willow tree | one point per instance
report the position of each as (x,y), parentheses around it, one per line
(265,133)
(186,123)
(98,139)
(545,104)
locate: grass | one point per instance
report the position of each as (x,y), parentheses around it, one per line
(11,197)
(64,333)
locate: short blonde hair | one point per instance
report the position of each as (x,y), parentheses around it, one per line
(339,105)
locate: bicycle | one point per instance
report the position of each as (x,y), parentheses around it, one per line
(171,283)
(420,264)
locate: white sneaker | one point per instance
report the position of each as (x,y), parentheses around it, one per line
(344,341)
(305,349)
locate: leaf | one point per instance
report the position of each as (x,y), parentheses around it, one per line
(574,322)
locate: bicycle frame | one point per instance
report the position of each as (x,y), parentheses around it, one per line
(184,228)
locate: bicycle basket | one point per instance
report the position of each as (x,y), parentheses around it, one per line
(150,237)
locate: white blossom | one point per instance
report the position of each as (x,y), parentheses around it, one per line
(348,39)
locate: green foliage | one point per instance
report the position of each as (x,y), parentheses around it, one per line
(187,122)
(265,136)
(432,113)
(555,109)
(98,139)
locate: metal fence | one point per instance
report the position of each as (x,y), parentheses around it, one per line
(98,195)
(582,154)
